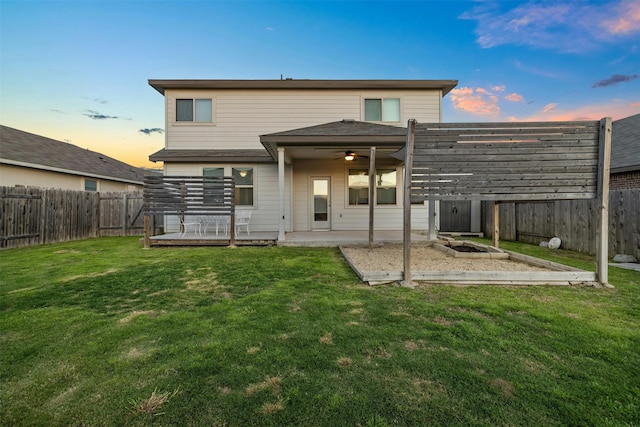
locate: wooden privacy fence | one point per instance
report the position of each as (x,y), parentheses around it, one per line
(572,221)
(184,196)
(35,216)
(510,162)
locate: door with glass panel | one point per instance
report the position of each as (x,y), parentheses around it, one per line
(320,203)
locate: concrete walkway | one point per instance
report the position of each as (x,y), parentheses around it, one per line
(337,238)
(628,265)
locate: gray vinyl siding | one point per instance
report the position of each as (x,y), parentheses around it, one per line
(266,206)
(343,216)
(240,117)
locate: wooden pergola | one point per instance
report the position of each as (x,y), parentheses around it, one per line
(514,161)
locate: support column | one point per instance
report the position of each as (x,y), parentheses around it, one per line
(372,187)
(408,171)
(602,231)
(281,220)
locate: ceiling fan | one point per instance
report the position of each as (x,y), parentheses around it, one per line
(348,155)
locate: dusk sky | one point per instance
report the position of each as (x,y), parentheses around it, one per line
(77,71)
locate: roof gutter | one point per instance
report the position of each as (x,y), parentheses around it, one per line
(290,84)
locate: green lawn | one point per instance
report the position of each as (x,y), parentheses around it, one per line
(102,332)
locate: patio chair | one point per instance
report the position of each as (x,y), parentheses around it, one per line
(218,220)
(243,218)
(186,222)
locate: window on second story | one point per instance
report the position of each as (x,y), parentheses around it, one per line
(194,110)
(382,109)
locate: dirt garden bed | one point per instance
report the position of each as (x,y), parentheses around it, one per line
(437,263)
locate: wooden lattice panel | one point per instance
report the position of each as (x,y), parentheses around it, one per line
(505,161)
(188,195)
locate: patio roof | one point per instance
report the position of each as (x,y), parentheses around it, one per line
(346,133)
(219,156)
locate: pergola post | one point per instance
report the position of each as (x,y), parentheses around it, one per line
(147,231)
(408,170)
(602,197)
(372,187)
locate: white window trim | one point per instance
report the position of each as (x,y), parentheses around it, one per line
(174,110)
(228,171)
(84,185)
(382,97)
(398,202)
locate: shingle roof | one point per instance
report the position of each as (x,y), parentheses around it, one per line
(625,144)
(350,132)
(27,149)
(346,128)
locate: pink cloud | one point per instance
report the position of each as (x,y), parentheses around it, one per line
(615,109)
(514,97)
(475,101)
(625,20)
(549,107)
(567,26)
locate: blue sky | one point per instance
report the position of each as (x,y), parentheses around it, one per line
(78,70)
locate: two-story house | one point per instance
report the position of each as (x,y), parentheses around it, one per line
(299,149)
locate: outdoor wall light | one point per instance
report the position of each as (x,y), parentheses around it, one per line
(349,155)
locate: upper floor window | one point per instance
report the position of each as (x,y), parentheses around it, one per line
(382,109)
(194,110)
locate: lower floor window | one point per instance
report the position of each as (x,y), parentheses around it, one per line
(386,183)
(90,185)
(244,179)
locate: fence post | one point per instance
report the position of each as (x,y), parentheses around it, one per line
(124,214)
(43,217)
(496,224)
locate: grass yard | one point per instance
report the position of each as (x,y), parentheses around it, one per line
(101,332)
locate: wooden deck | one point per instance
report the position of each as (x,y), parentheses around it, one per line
(257,238)
(297,238)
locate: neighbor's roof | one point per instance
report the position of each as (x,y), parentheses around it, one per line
(444,85)
(339,133)
(217,156)
(21,148)
(625,144)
